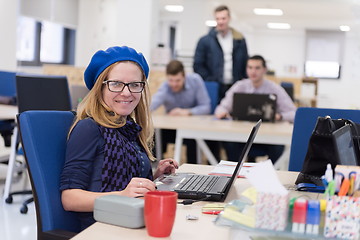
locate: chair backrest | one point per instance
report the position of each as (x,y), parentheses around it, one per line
(213,91)
(44,136)
(289,88)
(304,124)
(7,84)
(41,92)
(77,92)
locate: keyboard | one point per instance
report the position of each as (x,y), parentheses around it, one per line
(198,183)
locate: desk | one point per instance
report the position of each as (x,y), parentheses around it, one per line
(183,229)
(202,128)
(8,112)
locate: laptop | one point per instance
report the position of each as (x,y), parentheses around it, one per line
(253,106)
(205,187)
(344,146)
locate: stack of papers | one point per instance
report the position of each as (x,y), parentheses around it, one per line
(226,168)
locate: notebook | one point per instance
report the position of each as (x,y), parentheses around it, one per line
(205,187)
(253,106)
(344,146)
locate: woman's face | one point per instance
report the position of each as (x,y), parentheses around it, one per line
(123,103)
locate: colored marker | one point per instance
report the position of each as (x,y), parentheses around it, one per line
(324,181)
(299,215)
(344,187)
(313,217)
(330,190)
(352,178)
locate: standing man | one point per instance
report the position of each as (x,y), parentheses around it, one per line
(256,83)
(221,54)
(181,95)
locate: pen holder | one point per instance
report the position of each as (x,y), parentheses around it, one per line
(342,217)
(272,211)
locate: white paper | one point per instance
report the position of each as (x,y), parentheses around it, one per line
(227,168)
(264,178)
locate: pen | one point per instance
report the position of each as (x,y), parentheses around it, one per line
(172,163)
(214,212)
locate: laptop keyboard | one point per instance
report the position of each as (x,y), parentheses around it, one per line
(199,183)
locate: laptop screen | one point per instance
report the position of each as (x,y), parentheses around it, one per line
(252,107)
(243,155)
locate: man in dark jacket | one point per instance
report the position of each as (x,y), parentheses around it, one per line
(221,55)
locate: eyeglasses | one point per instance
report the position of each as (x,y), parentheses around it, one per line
(117,86)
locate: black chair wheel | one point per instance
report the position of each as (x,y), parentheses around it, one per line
(24,209)
(9,199)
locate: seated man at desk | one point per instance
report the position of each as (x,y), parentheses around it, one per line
(256,83)
(181,95)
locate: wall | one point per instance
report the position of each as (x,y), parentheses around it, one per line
(8,21)
(105,23)
(283,50)
(64,12)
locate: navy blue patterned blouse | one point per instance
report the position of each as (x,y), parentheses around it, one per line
(85,157)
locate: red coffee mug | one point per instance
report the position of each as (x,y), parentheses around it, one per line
(159,212)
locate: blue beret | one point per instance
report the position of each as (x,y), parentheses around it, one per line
(102,59)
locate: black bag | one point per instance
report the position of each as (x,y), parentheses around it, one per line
(321,149)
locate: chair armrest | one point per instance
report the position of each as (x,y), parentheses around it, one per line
(57,234)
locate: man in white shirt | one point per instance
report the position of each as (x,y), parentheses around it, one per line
(256,83)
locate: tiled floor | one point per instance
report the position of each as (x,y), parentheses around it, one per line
(13,224)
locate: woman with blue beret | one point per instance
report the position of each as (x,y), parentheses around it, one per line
(109,145)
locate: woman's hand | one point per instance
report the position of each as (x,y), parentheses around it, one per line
(166,166)
(138,187)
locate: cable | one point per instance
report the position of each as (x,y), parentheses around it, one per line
(191,201)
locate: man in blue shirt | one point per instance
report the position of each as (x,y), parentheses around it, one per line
(181,95)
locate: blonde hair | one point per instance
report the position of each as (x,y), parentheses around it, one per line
(94,106)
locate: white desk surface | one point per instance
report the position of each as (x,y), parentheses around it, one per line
(8,112)
(183,229)
(206,127)
(209,123)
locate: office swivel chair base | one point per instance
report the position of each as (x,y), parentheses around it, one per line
(24,207)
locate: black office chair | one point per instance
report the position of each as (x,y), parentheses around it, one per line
(36,92)
(289,88)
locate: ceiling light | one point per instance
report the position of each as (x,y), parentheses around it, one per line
(278,26)
(174,8)
(344,28)
(211,23)
(268,11)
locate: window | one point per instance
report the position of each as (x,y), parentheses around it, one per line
(322,69)
(26,39)
(44,42)
(52,43)
(324,51)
